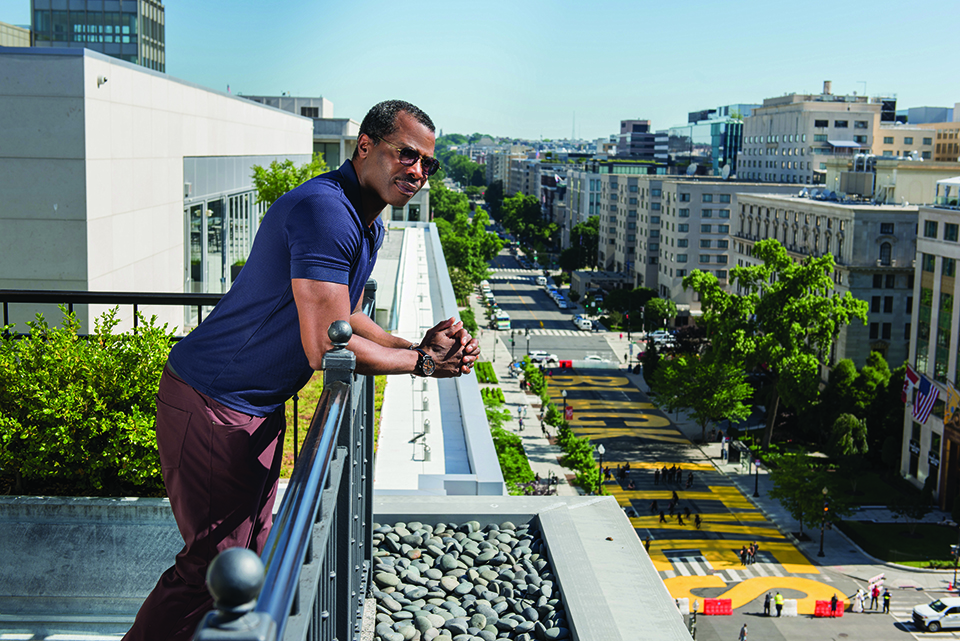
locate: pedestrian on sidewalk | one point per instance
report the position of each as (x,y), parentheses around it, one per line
(874,595)
(663,519)
(723,451)
(856,601)
(743,633)
(680,520)
(743,555)
(766,604)
(521,423)
(886,601)
(697,521)
(833,605)
(778,601)
(646,544)
(656,477)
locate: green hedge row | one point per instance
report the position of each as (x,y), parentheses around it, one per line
(578,450)
(485,373)
(492,394)
(80,413)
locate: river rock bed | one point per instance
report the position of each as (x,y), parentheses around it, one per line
(449,582)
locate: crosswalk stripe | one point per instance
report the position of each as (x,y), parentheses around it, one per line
(734,577)
(670,574)
(681,568)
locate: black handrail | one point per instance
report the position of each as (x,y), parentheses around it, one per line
(77,297)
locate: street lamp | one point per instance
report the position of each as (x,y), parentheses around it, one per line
(823,521)
(756,478)
(564,394)
(600,450)
(512,343)
(527,332)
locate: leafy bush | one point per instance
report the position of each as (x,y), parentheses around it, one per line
(485,373)
(493,396)
(469,321)
(512,458)
(81,413)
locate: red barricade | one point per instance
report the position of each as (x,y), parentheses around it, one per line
(566,364)
(822,609)
(710,606)
(725,607)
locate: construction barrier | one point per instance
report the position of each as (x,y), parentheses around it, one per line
(566,364)
(822,609)
(683,605)
(789,608)
(718,607)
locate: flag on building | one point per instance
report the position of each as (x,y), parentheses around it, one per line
(927,394)
(910,381)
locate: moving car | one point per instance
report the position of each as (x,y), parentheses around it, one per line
(660,337)
(583,323)
(540,356)
(541,280)
(941,614)
(596,358)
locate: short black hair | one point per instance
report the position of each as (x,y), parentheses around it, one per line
(381,120)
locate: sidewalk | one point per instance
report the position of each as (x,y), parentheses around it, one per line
(840,554)
(542,454)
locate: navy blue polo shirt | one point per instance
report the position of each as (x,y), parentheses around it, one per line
(247,354)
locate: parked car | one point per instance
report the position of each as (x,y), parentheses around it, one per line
(941,614)
(562,304)
(583,323)
(540,356)
(660,337)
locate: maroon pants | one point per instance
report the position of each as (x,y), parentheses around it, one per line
(220,468)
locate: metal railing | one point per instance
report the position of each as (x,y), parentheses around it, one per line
(73,297)
(309,583)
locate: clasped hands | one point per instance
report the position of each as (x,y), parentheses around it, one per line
(453,349)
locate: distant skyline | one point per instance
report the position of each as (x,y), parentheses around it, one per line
(534,68)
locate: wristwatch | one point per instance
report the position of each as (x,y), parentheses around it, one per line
(425,363)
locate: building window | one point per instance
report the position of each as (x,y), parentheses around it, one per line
(723,244)
(654,233)
(683,227)
(654,220)
(886,330)
(908,140)
(928,141)
(681,273)
(682,242)
(681,258)
(929,229)
(885,249)
(821,124)
(310,112)
(725,198)
(723,229)
(888,304)
(655,193)
(707,198)
(928,262)
(705,243)
(925,155)
(654,247)
(888,140)
(704,258)
(877,281)
(906,331)
(886,228)
(874,331)
(891,281)
(684,198)
(397,213)
(859,124)
(706,213)
(706,229)
(819,137)
(684,213)
(875,306)
(724,213)
(633,201)
(655,206)
(860,139)
(721,274)
(840,124)
(950,231)
(722,259)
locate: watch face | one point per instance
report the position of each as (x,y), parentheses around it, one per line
(428,366)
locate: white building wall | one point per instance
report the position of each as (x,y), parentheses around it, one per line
(92,171)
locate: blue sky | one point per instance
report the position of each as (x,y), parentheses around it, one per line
(523,68)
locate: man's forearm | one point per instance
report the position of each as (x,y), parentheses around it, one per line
(364,326)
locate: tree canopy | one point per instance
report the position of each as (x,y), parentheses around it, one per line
(445,203)
(657,311)
(785,321)
(712,391)
(523,217)
(281,177)
(467,245)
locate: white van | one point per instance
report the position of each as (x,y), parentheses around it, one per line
(584,324)
(542,281)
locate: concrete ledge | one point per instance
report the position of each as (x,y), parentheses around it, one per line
(609,585)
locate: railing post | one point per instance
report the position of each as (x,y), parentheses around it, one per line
(234,579)
(339,362)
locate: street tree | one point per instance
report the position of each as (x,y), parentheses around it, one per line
(848,445)
(467,245)
(280,177)
(523,217)
(785,321)
(710,391)
(798,485)
(657,311)
(445,203)
(493,196)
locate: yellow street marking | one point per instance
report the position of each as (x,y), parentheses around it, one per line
(746,591)
(732,498)
(600,432)
(682,466)
(584,404)
(652,420)
(562,381)
(723,554)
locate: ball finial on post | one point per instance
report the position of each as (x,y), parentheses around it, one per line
(340,334)
(234,579)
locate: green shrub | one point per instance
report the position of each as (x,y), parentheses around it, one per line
(513,460)
(82,412)
(485,373)
(469,321)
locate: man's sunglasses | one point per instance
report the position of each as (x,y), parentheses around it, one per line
(409,158)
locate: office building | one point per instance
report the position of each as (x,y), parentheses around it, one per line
(946,141)
(118,178)
(711,139)
(932,448)
(14,36)
(690,225)
(874,249)
(131,30)
(637,141)
(903,141)
(886,179)
(790,138)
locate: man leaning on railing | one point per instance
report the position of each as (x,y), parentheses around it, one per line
(220,419)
